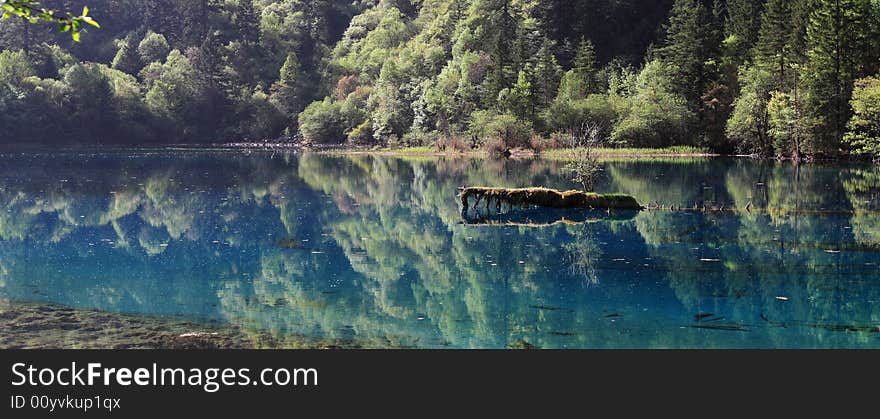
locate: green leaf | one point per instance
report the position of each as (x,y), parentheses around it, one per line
(75,36)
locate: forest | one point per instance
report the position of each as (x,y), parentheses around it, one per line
(777,78)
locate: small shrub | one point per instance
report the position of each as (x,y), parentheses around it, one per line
(452,143)
(585,169)
(322,122)
(361,134)
(496,148)
(557,140)
(419,138)
(488,126)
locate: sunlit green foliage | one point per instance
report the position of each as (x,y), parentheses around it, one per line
(863,133)
(400,73)
(322,122)
(154,47)
(838,35)
(656,116)
(747,125)
(33,12)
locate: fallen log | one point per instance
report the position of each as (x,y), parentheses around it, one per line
(545,198)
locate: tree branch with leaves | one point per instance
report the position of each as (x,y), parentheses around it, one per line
(33,12)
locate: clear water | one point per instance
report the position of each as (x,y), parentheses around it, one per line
(373,249)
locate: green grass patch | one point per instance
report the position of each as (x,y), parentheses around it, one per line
(411,150)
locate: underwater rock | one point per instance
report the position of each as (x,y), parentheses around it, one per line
(521,344)
(25,325)
(291,244)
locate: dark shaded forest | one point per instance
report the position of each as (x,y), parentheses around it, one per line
(780,78)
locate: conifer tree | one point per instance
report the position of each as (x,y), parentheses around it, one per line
(837,34)
(684,50)
(797,37)
(503,73)
(545,74)
(742,27)
(284,92)
(772,47)
(585,66)
(521,98)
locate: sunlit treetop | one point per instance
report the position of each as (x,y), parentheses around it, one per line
(33,12)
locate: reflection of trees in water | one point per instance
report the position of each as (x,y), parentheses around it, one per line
(583,255)
(741,264)
(863,190)
(384,260)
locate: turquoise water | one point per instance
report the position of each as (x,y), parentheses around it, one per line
(374,249)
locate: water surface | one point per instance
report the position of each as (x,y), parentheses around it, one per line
(373,249)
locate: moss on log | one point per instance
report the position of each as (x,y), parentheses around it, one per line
(546,198)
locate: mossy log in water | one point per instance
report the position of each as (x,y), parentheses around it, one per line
(546,198)
(540,206)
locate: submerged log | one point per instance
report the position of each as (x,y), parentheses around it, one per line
(546,198)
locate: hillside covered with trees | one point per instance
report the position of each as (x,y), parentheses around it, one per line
(788,78)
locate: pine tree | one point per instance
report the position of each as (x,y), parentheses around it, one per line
(585,67)
(684,49)
(742,26)
(838,36)
(545,74)
(716,30)
(772,47)
(284,92)
(247,22)
(521,98)
(714,39)
(585,60)
(503,72)
(797,37)
(245,56)
(209,59)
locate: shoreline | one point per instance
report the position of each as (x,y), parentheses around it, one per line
(337,149)
(562,153)
(518,154)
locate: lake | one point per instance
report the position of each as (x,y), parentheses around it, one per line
(372,250)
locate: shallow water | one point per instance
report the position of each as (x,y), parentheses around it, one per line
(372,249)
